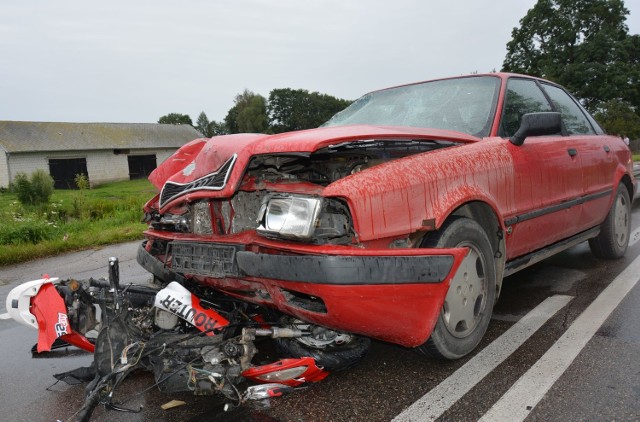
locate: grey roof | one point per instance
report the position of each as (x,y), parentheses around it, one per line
(57,136)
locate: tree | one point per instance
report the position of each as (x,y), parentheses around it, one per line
(581,44)
(202,125)
(217,128)
(210,128)
(618,118)
(176,119)
(297,109)
(249,114)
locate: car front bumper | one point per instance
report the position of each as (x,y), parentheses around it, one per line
(393,295)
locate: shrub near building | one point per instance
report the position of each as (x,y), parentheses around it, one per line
(34,190)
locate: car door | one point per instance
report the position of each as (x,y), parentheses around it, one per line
(596,152)
(547,172)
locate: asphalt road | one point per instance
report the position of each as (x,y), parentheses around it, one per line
(548,355)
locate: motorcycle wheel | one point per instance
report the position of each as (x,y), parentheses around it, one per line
(332,350)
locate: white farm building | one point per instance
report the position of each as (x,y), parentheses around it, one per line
(105,152)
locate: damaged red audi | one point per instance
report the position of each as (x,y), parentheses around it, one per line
(398,219)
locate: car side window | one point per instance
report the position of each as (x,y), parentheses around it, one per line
(573,117)
(523,96)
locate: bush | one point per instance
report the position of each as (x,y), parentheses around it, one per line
(26,232)
(82,181)
(33,190)
(22,188)
(42,185)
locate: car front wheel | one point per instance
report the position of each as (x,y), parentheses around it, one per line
(467,308)
(613,239)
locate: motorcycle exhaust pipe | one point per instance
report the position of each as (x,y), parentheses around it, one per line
(276,332)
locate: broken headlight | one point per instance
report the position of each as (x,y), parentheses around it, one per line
(169,222)
(303,217)
(289,216)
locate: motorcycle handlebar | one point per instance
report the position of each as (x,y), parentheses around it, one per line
(105,284)
(102,284)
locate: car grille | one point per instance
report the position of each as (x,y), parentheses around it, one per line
(213,181)
(206,259)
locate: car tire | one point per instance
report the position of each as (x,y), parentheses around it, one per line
(613,239)
(334,357)
(468,306)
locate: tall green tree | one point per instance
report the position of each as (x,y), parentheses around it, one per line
(584,45)
(581,44)
(210,128)
(296,109)
(202,124)
(248,115)
(176,119)
(217,128)
(618,118)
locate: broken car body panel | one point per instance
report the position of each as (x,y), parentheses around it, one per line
(316,295)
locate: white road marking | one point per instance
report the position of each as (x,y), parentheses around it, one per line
(634,237)
(433,404)
(526,393)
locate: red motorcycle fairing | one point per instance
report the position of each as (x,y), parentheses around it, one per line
(53,321)
(181,302)
(289,372)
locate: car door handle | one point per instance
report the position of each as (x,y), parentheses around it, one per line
(606,148)
(572,152)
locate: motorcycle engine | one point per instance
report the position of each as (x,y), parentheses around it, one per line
(181,359)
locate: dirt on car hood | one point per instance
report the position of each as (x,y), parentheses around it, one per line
(202,156)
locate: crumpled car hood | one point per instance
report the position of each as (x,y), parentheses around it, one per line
(203,156)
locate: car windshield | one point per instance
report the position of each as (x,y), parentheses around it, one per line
(465,105)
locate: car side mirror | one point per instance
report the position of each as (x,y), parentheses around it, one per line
(537,124)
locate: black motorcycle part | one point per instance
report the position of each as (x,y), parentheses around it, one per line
(331,358)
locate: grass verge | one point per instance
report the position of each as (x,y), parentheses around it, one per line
(73,220)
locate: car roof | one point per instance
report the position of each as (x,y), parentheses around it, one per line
(501,75)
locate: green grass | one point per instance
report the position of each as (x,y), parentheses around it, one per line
(636,157)
(72,220)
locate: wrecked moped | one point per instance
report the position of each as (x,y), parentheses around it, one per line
(191,339)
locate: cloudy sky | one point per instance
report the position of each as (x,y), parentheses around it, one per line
(136,60)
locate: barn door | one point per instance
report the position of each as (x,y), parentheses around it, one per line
(64,170)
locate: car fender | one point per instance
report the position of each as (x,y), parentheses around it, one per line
(625,175)
(419,192)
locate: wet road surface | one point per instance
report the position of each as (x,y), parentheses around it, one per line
(602,383)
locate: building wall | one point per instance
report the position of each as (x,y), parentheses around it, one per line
(26,163)
(4,169)
(103,166)
(163,154)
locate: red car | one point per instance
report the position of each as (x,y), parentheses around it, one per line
(398,219)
